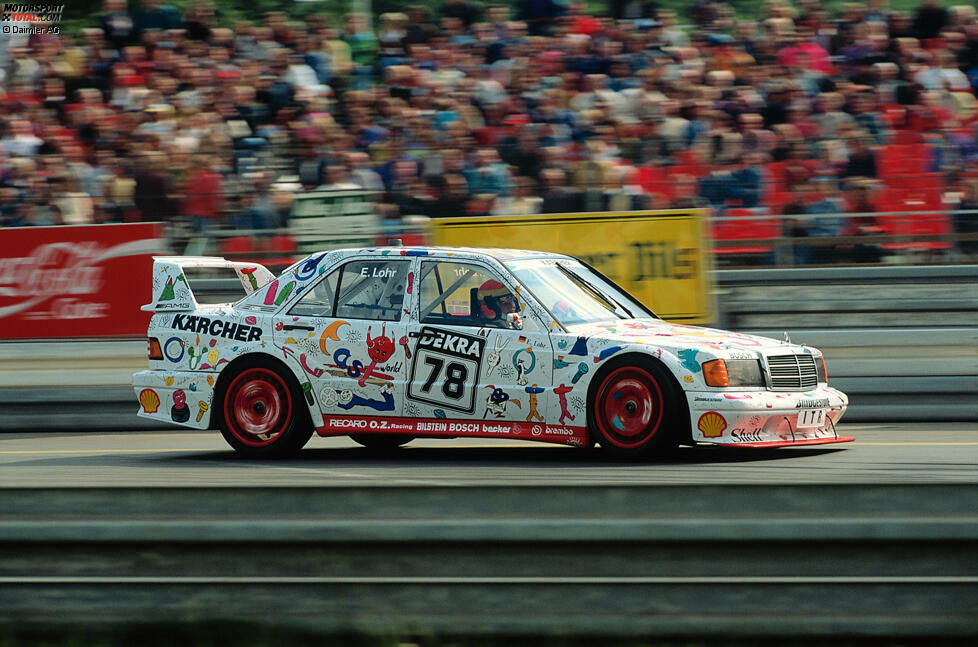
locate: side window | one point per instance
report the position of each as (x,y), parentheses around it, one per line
(318,301)
(463,295)
(372,289)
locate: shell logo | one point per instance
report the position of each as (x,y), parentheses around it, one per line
(711,424)
(149,400)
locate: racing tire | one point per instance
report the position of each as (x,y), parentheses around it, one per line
(635,408)
(382,442)
(262,412)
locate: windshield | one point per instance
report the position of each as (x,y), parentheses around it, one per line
(574,294)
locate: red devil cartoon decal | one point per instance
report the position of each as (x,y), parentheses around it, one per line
(379,349)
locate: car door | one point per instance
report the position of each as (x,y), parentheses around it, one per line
(346,331)
(467,366)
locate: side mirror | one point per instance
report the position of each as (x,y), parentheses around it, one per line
(514,321)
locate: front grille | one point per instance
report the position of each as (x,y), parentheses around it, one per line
(791,372)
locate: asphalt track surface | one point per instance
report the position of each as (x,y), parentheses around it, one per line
(913,453)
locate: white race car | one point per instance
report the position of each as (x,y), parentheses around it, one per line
(389,344)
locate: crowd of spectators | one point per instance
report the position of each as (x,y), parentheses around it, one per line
(150,115)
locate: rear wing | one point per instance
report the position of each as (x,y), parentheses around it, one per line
(172,292)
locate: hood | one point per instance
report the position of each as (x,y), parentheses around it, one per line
(664,334)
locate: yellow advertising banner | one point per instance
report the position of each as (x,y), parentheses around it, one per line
(658,256)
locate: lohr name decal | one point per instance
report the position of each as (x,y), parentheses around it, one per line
(216,328)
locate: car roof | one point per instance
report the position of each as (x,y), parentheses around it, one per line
(459,252)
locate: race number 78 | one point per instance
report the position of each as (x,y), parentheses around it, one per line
(455,374)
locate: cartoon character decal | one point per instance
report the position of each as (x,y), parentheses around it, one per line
(379,349)
(562,392)
(180,412)
(494,356)
(534,391)
(524,361)
(347,399)
(496,402)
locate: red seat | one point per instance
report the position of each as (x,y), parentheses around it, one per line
(280,251)
(237,246)
(743,224)
(921,193)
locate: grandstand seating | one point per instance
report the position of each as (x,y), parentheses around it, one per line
(274,251)
(745,225)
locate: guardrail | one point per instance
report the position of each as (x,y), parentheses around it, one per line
(614,563)
(901,341)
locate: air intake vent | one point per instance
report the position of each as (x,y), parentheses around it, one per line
(792,372)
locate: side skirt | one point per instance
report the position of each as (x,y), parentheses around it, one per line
(441,427)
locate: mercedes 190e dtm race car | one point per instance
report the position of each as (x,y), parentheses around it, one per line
(389,344)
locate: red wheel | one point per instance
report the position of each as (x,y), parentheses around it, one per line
(257,407)
(633,407)
(263,412)
(628,407)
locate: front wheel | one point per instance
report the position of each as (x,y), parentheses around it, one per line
(263,413)
(634,409)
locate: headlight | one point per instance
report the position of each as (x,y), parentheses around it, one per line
(733,372)
(745,372)
(820,369)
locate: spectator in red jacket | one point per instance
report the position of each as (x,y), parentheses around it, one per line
(204,195)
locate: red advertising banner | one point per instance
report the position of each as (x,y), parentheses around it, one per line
(84,281)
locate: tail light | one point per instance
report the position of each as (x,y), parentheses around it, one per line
(155,352)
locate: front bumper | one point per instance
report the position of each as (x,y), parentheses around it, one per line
(177,397)
(767,418)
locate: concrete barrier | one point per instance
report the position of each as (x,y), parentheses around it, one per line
(746,564)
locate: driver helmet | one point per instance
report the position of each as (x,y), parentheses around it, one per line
(488,293)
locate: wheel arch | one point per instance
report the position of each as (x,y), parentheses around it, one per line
(637,357)
(242,362)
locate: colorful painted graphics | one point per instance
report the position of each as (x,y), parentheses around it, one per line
(400,340)
(85,281)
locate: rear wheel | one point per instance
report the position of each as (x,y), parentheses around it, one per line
(382,442)
(263,413)
(634,408)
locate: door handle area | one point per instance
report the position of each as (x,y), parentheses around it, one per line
(295,327)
